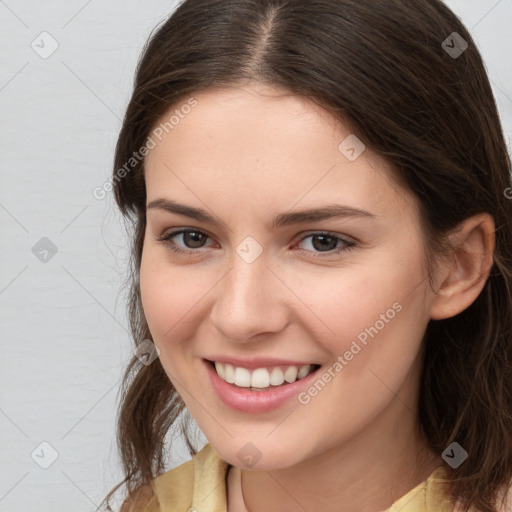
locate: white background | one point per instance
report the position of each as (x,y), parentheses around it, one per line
(64,336)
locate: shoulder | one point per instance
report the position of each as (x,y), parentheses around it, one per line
(196,480)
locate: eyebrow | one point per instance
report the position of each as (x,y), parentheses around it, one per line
(282,219)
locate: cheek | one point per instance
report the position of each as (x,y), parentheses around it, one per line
(172,299)
(380,306)
(378,320)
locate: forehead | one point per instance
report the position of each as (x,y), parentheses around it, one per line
(268,149)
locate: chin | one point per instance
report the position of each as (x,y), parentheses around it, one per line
(261,455)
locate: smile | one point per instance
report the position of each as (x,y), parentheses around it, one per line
(259,389)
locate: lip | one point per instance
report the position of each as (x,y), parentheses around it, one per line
(257,362)
(255,402)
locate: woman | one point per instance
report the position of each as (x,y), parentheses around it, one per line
(321,257)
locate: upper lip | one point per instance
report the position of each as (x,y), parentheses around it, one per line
(256,362)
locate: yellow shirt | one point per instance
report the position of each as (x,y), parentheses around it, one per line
(199,485)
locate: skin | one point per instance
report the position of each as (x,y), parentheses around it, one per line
(245,154)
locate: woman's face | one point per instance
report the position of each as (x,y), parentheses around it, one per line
(269,294)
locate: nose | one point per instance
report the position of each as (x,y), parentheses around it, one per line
(250,300)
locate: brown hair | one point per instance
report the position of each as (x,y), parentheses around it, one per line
(431,114)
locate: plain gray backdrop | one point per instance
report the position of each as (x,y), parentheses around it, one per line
(65,80)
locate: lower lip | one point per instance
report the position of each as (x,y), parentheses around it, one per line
(245,400)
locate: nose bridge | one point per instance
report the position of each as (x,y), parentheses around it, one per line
(248,299)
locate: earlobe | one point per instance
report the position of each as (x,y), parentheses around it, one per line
(466,273)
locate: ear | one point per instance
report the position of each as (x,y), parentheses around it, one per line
(465,274)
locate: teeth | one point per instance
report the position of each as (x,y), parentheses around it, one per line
(261,377)
(242,377)
(220,370)
(290,375)
(276,377)
(229,373)
(303,371)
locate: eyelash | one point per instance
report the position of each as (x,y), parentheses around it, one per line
(169,242)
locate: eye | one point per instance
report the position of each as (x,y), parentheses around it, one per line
(323,242)
(194,237)
(329,242)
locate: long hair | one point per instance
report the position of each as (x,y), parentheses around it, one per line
(418,95)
